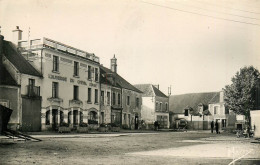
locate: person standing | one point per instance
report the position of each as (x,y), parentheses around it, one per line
(216,126)
(212,126)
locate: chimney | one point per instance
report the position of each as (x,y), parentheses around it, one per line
(221,96)
(1,46)
(17,35)
(113,64)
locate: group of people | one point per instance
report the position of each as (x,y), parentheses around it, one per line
(216,125)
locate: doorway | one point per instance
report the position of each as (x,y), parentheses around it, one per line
(136,122)
(55,119)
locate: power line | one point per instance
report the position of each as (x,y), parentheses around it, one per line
(218,11)
(249,23)
(207,3)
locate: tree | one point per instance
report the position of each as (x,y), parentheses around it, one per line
(240,95)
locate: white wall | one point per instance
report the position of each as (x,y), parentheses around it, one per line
(148,110)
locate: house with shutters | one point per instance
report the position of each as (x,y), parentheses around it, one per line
(154,106)
(120,101)
(200,109)
(19,88)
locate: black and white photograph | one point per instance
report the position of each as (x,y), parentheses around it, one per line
(130,82)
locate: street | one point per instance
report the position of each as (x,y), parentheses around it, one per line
(194,147)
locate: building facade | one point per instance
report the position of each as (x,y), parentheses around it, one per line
(122,101)
(71,83)
(20,88)
(200,109)
(155,106)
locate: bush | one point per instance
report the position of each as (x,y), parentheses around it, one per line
(114,125)
(103,125)
(83,125)
(125,126)
(92,122)
(64,124)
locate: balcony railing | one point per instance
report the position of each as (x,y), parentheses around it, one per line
(33,91)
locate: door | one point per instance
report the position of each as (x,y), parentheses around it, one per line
(136,122)
(55,119)
(102,117)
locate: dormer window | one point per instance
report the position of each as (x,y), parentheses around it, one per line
(186,112)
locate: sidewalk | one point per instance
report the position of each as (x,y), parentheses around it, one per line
(97,134)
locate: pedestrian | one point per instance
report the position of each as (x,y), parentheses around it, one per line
(248,131)
(156,125)
(216,126)
(212,126)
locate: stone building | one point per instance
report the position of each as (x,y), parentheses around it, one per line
(19,88)
(155,106)
(122,101)
(199,109)
(69,81)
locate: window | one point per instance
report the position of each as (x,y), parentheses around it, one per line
(186,113)
(137,102)
(156,106)
(76,68)
(114,98)
(75,92)
(31,82)
(102,98)
(166,107)
(124,118)
(89,73)
(160,106)
(55,90)
(89,95)
(96,74)
(47,119)
(129,119)
(226,110)
(108,98)
(96,95)
(215,110)
(128,100)
(119,99)
(224,123)
(55,64)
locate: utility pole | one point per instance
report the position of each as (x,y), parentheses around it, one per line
(169,90)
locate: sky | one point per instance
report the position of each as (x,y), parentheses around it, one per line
(192,46)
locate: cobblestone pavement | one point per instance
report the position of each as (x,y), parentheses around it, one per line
(132,148)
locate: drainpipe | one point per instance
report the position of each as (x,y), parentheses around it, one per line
(121,107)
(1,47)
(100,97)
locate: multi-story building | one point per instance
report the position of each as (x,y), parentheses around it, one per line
(200,109)
(122,101)
(70,88)
(155,105)
(19,88)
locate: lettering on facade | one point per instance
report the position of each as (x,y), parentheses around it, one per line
(92,85)
(72,80)
(65,60)
(57,77)
(84,65)
(82,82)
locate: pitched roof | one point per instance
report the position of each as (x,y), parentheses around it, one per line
(20,63)
(158,92)
(150,90)
(114,79)
(146,89)
(5,77)
(179,102)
